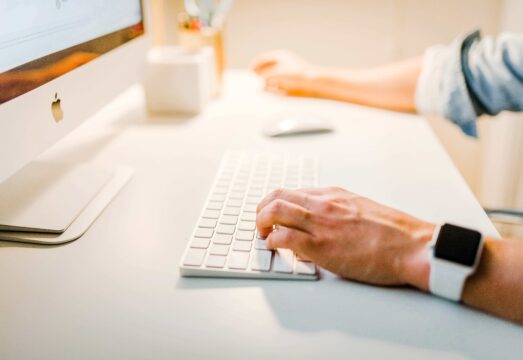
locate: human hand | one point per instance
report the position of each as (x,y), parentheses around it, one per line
(286,73)
(348,234)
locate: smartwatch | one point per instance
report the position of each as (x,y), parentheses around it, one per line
(454,255)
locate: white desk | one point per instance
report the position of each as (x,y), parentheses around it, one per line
(116,293)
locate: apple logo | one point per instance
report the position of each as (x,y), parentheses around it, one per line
(56,108)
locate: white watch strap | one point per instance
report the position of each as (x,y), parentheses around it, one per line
(447,279)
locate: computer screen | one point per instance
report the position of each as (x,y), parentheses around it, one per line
(41,40)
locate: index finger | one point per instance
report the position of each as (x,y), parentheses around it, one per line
(293,196)
(281,212)
(259,68)
(262,62)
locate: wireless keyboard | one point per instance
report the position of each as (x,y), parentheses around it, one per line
(225,242)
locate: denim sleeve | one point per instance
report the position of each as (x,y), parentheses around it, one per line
(471,77)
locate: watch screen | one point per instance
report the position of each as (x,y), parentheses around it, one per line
(457,244)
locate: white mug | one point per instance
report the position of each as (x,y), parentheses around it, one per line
(177,79)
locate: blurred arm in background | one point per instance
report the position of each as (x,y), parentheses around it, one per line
(390,86)
(461,81)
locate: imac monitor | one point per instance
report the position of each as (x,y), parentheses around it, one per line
(60,61)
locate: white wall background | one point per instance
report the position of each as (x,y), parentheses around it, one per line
(369,32)
(352,32)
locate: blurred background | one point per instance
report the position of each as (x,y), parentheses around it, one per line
(371,32)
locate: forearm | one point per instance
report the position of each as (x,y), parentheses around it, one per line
(497,286)
(390,87)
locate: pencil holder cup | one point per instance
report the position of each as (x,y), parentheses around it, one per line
(206,37)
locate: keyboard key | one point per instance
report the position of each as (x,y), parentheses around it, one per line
(229,220)
(224,182)
(207,223)
(200,243)
(250,208)
(260,244)
(259,177)
(214,205)
(299,258)
(241,246)
(227,173)
(217,197)
(260,171)
(231,211)
(247,225)
(239,189)
(203,233)
(222,239)
(309,176)
(238,260)
(215,261)
(261,260)
(253,200)
(255,192)
(248,216)
(306,268)
(221,190)
(226,229)
(256,188)
(222,250)
(245,235)
(234,203)
(211,214)
(236,195)
(283,261)
(194,257)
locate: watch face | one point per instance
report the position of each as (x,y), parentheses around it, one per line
(457,244)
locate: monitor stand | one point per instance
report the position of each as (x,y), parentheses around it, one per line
(48,203)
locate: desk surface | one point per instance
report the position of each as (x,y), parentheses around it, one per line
(116,293)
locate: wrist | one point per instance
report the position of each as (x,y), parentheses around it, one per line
(416,267)
(314,79)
